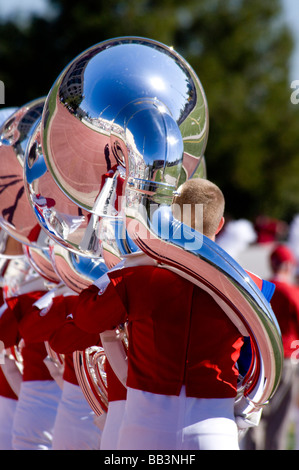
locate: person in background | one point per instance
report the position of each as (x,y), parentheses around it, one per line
(75,427)
(8,399)
(272,432)
(39,394)
(236,236)
(270,230)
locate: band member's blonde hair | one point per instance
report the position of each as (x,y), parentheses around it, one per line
(202,192)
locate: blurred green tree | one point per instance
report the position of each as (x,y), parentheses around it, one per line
(240,51)
(243,63)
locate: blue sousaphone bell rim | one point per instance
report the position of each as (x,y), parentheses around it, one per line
(203,262)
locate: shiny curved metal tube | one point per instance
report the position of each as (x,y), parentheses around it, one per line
(40,261)
(75,271)
(135,109)
(91,376)
(65,222)
(16,216)
(204,263)
(95,111)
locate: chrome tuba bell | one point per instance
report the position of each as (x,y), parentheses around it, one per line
(19,230)
(40,261)
(96,107)
(65,222)
(133,109)
(16,215)
(76,271)
(73,243)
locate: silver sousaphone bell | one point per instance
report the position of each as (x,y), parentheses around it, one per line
(16,216)
(123,126)
(17,219)
(94,111)
(75,257)
(24,245)
(65,222)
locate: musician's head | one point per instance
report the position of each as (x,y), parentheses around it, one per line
(200,198)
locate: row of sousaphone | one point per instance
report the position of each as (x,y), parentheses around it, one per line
(84,172)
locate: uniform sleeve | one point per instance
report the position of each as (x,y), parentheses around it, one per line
(38,325)
(97,312)
(266,287)
(69,338)
(17,308)
(9,330)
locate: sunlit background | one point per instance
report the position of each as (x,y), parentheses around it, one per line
(245,53)
(21,11)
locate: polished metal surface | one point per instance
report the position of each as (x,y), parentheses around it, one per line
(91,375)
(76,272)
(9,248)
(123,126)
(41,262)
(6,113)
(16,216)
(125,97)
(203,262)
(115,241)
(65,222)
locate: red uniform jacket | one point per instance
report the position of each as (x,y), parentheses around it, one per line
(69,338)
(178,335)
(57,327)
(5,388)
(33,354)
(38,328)
(285,305)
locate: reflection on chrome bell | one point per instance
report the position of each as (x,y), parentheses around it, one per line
(112,101)
(16,215)
(64,221)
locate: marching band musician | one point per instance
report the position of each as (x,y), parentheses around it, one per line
(39,395)
(74,426)
(8,403)
(275,422)
(8,396)
(182,375)
(182,379)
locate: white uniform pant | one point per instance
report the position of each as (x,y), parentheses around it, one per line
(7,411)
(161,422)
(74,426)
(112,425)
(35,415)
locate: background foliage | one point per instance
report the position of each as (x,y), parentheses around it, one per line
(240,51)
